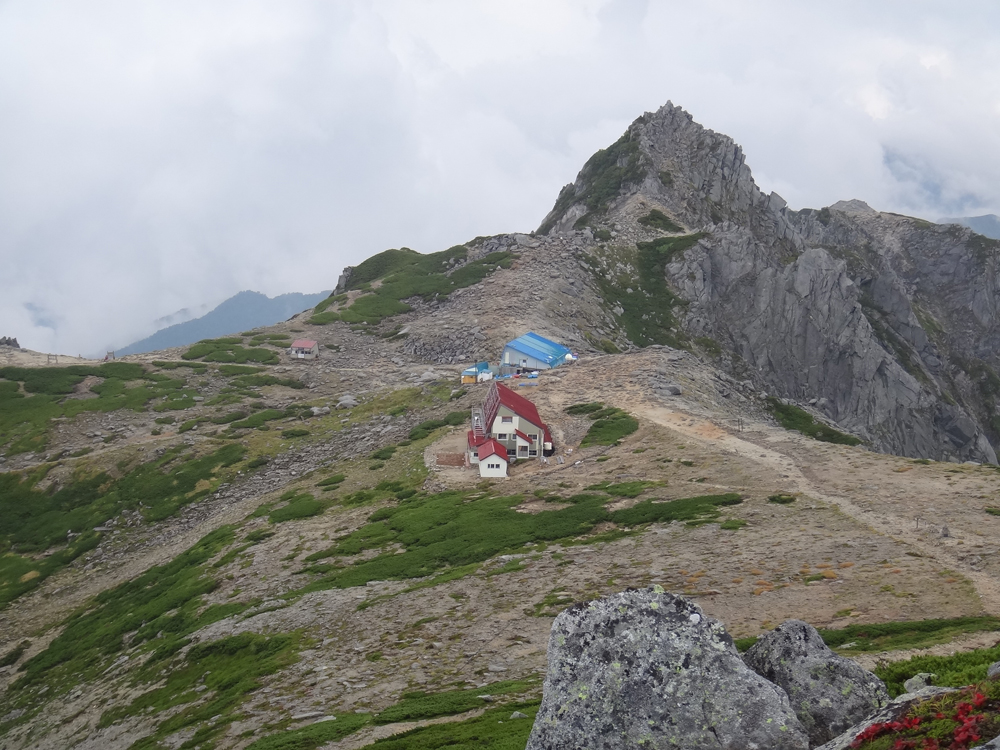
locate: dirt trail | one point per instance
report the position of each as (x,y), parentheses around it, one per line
(793,457)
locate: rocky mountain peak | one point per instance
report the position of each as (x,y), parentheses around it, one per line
(866,316)
(668,161)
(853,206)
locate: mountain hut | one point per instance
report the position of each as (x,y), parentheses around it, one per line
(304,349)
(533,352)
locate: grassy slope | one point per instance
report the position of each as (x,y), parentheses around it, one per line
(409,534)
(404,274)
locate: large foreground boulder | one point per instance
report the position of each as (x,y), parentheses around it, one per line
(644,668)
(829,693)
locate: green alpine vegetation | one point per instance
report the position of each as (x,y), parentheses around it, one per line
(634,280)
(416,706)
(30,398)
(298,505)
(792,417)
(231,350)
(656,219)
(493,730)
(601,180)
(896,636)
(61,519)
(314,735)
(424,429)
(405,274)
(229,669)
(424,534)
(610,423)
(151,615)
(958,670)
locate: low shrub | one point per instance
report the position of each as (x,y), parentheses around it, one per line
(230,668)
(610,423)
(911,634)
(12,656)
(300,506)
(694,510)
(582,409)
(656,219)
(956,721)
(609,430)
(424,429)
(258,419)
(230,351)
(623,489)
(448,530)
(294,433)
(417,706)
(333,481)
(314,735)
(493,730)
(781,499)
(232,370)
(792,417)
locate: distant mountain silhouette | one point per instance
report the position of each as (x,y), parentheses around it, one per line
(238,313)
(987,225)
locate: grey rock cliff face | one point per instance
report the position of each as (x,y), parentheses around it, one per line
(828,693)
(890,324)
(649,669)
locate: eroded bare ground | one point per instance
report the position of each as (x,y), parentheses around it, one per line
(868,526)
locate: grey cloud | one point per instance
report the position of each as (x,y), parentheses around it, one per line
(165,155)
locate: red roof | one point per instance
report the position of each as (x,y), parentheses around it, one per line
(492,448)
(303,344)
(523,437)
(519,405)
(475,442)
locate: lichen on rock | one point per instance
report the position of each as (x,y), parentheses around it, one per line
(645,668)
(828,692)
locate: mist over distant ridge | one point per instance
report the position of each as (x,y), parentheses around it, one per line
(987,225)
(238,313)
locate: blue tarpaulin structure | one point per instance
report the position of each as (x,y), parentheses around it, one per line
(534,352)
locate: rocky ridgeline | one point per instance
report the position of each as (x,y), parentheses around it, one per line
(547,290)
(889,325)
(645,668)
(8,341)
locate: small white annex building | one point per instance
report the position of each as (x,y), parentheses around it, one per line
(304,349)
(492,459)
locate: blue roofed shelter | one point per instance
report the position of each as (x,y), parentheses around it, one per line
(479,373)
(532,352)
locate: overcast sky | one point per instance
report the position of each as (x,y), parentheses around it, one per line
(161,155)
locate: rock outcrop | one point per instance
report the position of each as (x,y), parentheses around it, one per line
(889,325)
(645,668)
(8,341)
(828,693)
